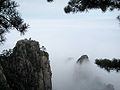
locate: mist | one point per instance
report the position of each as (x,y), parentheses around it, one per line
(86,76)
(65,41)
(66,38)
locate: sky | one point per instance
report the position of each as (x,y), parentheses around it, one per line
(65,36)
(93,33)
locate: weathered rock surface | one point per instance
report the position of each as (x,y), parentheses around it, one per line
(82,59)
(26,68)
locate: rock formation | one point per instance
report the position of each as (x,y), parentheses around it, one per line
(83,73)
(82,59)
(26,68)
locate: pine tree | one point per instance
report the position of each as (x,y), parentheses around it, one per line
(10,19)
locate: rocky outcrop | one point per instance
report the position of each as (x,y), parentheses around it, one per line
(83,73)
(82,59)
(26,68)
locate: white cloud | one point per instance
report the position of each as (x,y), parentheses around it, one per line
(68,35)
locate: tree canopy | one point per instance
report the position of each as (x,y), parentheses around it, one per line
(10,18)
(108,65)
(85,5)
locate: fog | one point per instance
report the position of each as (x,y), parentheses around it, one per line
(86,76)
(66,40)
(67,37)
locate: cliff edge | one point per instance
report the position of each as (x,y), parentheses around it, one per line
(26,67)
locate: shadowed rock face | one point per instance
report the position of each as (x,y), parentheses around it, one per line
(27,67)
(82,59)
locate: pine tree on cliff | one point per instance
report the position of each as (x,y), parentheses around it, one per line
(108,65)
(85,5)
(10,19)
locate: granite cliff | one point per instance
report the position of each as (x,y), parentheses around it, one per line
(83,59)
(26,67)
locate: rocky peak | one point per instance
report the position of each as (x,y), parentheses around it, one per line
(82,59)
(27,67)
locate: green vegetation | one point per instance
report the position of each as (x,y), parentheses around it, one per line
(108,65)
(85,5)
(10,19)
(6,53)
